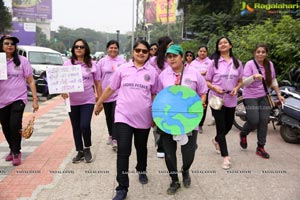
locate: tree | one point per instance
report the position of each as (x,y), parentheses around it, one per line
(6,18)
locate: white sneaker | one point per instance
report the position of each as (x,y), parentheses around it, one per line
(115,145)
(109,141)
(160,154)
(226,164)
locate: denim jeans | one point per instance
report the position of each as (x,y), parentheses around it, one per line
(124,137)
(11,122)
(81,116)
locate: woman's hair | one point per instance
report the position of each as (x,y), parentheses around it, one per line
(15,55)
(191,52)
(87,57)
(217,53)
(163,43)
(112,42)
(266,64)
(153,44)
(203,46)
(143,42)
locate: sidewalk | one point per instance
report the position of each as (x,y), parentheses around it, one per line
(48,173)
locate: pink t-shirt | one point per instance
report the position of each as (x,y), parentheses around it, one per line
(15,87)
(201,65)
(90,75)
(255,89)
(136,87)
(219,77)
(153,62)
(107,67)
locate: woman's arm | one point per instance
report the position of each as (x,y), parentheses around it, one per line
(31,84)
(105,95)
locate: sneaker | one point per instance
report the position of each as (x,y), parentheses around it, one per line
(120,195)
(212,123)
(17,159)
(186,179)
(143,179)
(9,157)
(243,142)
(109,141)
(115,145)
(217,147)
(200,129)
(261,152)
(79,157)
(160,154)
(226,164)
(87,155)
(174,186)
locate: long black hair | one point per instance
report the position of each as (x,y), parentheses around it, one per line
(15,55)
(87,57)
(163,43)
(266,64)
(217,53)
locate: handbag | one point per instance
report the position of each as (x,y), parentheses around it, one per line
(28,130)
(216,102)
(270,100)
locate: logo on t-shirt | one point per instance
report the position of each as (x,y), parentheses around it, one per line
(147,77)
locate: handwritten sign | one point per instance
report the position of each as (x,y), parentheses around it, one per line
(64,79)
(3,67)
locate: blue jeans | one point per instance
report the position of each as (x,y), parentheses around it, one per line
(124,137)
(81,117)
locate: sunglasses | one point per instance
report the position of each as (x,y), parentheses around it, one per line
(144,51)
(153,49)
(189,55)
(79,47)
(9,43)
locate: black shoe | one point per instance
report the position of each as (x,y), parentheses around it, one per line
(78,158)
(261,152)
(186,179)
(87,155)
(243,142)
(143,179)
(120,195)
(174,186)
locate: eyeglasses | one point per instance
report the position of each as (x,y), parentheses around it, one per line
(153,49)
(144,51)
(189,55)
(79,47)
(9,43)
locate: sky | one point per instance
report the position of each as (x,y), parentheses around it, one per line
(99,15)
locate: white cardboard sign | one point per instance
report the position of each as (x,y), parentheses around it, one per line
(64,79)
(3,67)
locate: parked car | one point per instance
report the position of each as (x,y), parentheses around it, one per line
(40,58)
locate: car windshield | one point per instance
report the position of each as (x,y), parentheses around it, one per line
(45,58)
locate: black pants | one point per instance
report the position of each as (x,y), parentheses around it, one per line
(257,115)
(187,151)
(81,116)
(224,121)
(204,112)
(124,137)
(109,110)
(11,121)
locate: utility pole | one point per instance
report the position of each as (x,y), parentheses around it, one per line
(168,26)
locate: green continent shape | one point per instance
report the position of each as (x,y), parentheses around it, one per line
(166,109)
(185,93)
(196,107)
(175,130)
(191,121)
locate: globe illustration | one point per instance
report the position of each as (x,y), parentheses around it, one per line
(177,110)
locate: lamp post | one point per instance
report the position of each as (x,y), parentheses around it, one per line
(118,35)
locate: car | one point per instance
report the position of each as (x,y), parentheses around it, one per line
(40,58)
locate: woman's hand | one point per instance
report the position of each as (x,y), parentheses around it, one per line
(217,89)
(35,104)
(257,77)
(98,108)
(234,91)
(64,95)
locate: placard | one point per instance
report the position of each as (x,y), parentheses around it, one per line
(64,79)
(3,66)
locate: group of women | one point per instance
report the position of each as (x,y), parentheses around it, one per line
(125,90)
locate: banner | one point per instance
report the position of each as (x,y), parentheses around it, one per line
(34,9)
(26,32)
(157,11)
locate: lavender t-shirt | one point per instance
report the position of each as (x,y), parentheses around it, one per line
(255,89)
(107,67)
(15,88)
(201,65)
(153,62)
(90,75)
(136,87)
(220,78)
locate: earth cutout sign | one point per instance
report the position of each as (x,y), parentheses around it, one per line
(177,110)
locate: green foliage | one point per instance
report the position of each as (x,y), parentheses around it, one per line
(5,19)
